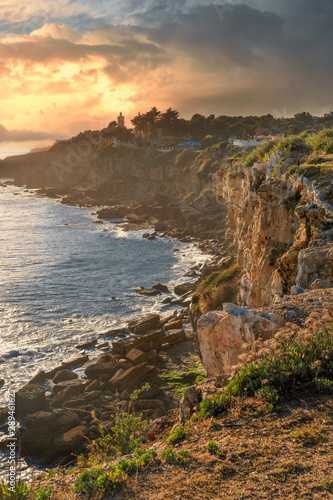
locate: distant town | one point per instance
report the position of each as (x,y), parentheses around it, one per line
(168,132)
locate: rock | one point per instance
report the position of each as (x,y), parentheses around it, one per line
(167,300)
(184,288)
(111,213)
(64,375)
(67,393)
(73,440)
(174,325)
(184,300)
(161,288)
(124,364)
(67,420)
(145,324)
(104,366)
(221,336)
(30,399)
(136,357)
(132,376)
(73,363)
(152,392)
(194,395)
(103,345)
(296,290)
(175,336)
(147,291)
(39,378)
(35,442)
(87,345)
(60,386)
(41,419)
(319,284)
(116,332)
(1,382)
(93,386)
(148,404)
(91,396)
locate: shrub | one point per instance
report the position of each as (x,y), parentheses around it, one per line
(178,434)
(180,457)
(43,493)
(323,385)
(21,492)
(302,362)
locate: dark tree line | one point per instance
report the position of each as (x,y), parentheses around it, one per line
(168,126)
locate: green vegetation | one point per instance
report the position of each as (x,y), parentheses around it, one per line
(303,362)
(171,456)
(178,434)
(180,381)
(217,288)
(308,151)
(22,492)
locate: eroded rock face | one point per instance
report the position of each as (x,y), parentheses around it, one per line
(222,335)
(280,227)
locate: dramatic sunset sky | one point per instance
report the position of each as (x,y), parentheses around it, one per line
(72,65)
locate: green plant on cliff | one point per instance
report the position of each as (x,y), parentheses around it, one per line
(308,361)
(217,288)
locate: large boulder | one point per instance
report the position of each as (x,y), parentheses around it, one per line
(64,375)
(222,335)
(30,399)
(106,365)
(73,389)
(132,376)
(36,441)
(73,440)
(41,419)
(146,324)
(184,288)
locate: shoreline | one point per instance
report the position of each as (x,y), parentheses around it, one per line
(178,336)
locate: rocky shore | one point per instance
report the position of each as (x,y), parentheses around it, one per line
(60,413)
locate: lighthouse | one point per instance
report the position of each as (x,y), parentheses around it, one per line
(121,120)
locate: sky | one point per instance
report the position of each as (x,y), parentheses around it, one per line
(73,65)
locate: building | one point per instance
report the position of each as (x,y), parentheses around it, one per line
(189,144)
(121,120)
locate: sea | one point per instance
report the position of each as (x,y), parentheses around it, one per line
(65,280)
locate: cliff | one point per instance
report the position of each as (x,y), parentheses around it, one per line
(280,225)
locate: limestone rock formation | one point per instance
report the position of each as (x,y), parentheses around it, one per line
(222,335)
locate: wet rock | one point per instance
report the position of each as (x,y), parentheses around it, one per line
(35,442)
(67,420)
(64,375)
(145,324)
(111,213)
(41,419)
(67,393)
(73,363)
(73,440)
(161,287)
(30,399)
(167,300)
(147,291)
(87,345)
(184,288)
(104,366)
(39,378)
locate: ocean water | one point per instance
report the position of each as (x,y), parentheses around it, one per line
(59,272)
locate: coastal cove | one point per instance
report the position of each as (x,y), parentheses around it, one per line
(66,280)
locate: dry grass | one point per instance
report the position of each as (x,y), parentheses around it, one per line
(264,455)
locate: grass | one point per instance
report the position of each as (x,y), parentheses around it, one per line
(217,288)
(304,147)
(303,362)
(178,382)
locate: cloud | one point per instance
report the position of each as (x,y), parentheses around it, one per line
(25,135)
